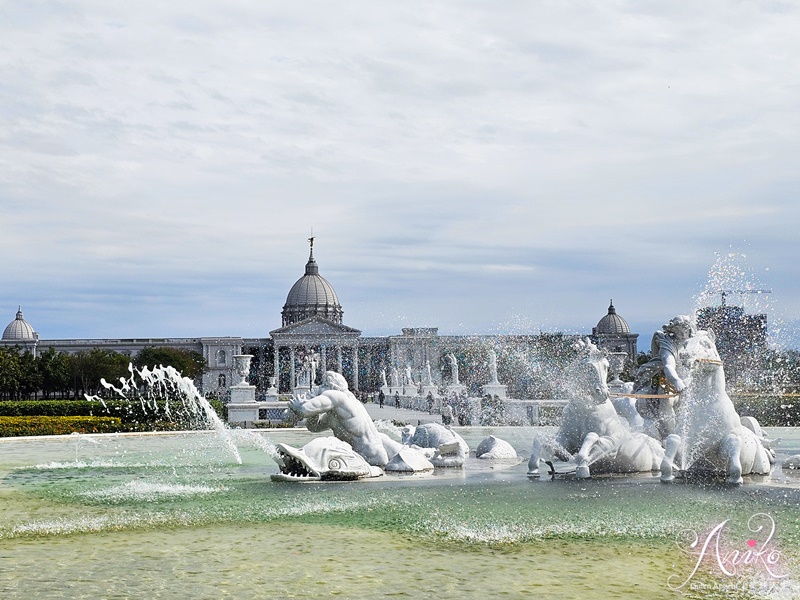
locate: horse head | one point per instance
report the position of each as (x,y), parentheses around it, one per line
(589,374)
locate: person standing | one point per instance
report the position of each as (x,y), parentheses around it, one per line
(381,398)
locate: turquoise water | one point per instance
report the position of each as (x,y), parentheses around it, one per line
(151,516)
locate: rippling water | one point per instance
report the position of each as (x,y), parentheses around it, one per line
(174,516)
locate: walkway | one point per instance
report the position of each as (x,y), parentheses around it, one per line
(405,415)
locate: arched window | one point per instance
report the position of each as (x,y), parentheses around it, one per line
(221,381)
(222,358)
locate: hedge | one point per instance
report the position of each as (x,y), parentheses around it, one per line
(38,425)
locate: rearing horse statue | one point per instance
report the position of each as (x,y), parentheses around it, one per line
(592,432)
(709,434)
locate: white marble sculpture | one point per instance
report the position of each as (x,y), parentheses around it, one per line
(658,411)
(395,376)
(494,448)
(408,379)
(493,367)
(713,436)
(322,459)
(333,406)
(428,380)
(384,383)
(592,432)
(453,369)
(440,444)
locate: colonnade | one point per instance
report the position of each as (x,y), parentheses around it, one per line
(322,350)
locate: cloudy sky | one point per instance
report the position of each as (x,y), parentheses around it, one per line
(479,167)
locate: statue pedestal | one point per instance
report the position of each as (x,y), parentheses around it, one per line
(243,393)
(243,407)
(271,394)
(457,389)
(495,389)
(432,389)
(387,391)
(409,391)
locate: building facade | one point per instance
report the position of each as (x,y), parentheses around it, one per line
(313,338)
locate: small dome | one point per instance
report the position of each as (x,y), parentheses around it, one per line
(311,295)
(612,323)
(19,329)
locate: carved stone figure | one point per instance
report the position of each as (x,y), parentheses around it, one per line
(408,378)
(334,407)
(453,368)
(493,367)
(592,432)
(428,377)
(713,436)
(495,448)
(659,413)
(322,459)
(395,377)
(383,378)
(441,445)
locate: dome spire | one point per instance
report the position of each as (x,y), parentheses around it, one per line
(611,309)
(311,265)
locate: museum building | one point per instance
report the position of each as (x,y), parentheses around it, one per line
(313,336)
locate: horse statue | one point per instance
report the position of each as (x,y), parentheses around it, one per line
(710,437)
(592,432)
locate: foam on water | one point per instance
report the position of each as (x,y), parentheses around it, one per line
(151,491)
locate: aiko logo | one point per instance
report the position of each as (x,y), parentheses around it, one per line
(731,558)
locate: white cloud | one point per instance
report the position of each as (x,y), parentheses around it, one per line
(541,157)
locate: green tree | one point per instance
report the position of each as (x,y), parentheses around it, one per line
(10,371)
(30,381)
(54,371)
(88,368)
(189,363)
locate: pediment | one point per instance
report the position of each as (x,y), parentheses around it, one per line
(316,327)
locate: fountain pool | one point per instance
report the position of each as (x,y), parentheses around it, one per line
(176,516)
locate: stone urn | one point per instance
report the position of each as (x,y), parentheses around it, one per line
(241,364)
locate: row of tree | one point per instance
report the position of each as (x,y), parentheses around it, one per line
(54,374)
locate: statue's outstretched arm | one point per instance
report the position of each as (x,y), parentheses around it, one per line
(311,406)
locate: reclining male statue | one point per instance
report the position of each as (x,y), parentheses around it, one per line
(334,407)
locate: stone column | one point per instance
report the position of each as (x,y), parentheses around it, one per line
(355,367)
(292,379)
(323,352)
(339,358)
(277,367)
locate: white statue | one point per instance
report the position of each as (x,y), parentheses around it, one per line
(592,432)
(453,368)
(493,367)
(408,379)
(713,436)
(494,448)
(383,378)
(659,412)
(428,376)
(334,407)
(322,459)
(395,377)
(440,444)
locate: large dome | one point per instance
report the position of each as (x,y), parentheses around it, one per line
(612,323)
(310,296)
(19,329)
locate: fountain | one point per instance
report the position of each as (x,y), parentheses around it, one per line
(168,514)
